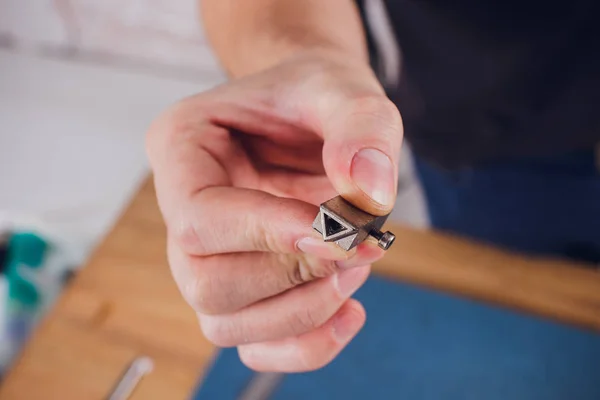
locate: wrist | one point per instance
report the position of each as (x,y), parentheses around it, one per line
(252,59)
(251,36)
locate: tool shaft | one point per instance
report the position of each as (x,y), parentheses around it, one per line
(131,378)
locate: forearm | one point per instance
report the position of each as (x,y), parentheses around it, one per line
(251,35)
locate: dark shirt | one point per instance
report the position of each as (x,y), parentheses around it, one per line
(488,80)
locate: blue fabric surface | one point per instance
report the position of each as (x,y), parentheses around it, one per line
(423,345)
(548,206)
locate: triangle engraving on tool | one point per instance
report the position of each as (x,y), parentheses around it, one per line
(334,228)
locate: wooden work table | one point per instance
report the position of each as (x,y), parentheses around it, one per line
(124,303)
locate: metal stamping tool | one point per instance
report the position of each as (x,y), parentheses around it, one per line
(133,375)
(340,222)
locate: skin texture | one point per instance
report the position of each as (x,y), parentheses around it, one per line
(253,35)
(239,173)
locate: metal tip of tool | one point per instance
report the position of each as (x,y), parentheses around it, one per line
(386,240)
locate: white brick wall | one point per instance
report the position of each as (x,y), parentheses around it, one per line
(160,32)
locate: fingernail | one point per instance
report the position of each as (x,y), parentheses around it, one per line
(365,255)
(350,280)
(318,248)
(373,173)
(345,326)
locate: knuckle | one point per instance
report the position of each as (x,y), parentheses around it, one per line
(304,270)
(218,331)
(188,235)
(249,358)
(260,228)
(256,233)
(305,320)
(295,275)
(200,284)
(199,293)
(270,240)
(173,121)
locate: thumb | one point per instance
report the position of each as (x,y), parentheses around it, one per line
(361,150)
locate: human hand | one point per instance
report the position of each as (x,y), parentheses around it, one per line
(239,171)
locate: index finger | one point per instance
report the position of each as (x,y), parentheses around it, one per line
(227,220)
(191,159)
